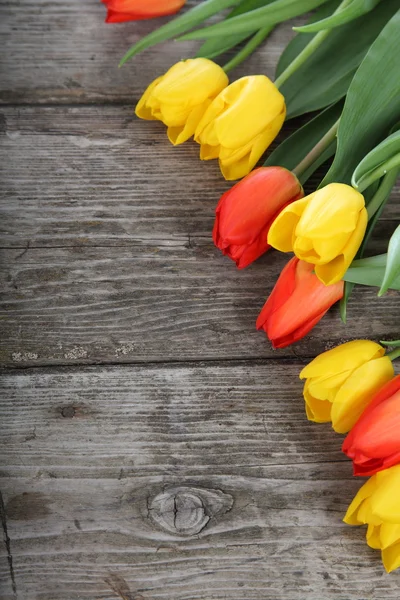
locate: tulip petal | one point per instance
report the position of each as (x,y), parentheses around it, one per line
(358,391)
(389,534)
(236,164)
(282,229)
(352,514)
(282,290)
(385,501)
(373,536)
(334,270)
(180,134)
(333,210)
(345,357)
(142,110)
(391,557)
(318,411)
(319,298)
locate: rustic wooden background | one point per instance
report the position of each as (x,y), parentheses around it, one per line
(154,446)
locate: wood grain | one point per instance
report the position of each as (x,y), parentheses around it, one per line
(159,478)
(87,451)
(63,52)
(151,303)
(100,176)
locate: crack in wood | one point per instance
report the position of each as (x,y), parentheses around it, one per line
(7,542)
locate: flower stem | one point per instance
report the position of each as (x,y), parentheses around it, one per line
(394,354)
(308,50)
(379,172)
(318,149)
(248,49)
(383,192)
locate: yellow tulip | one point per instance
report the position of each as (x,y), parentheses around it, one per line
(325,228)
(377,504)
(180,97)
(341,382)
(240,124)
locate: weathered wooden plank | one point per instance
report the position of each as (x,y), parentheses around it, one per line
(178,482)
(99,176)
(151,303)
(63,52)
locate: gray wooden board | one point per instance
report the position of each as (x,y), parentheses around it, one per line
(192,481)
(152,303)
(158,478)
(64,52)
(100,176)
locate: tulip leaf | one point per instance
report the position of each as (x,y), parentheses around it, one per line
(299,42)
(326,75)
(392,270)
(382,158)
(372,104)
(215,46)
(391,344)
(371,271)
(277,12)
(355,9)
(371,276)
(179,25)
(296,147)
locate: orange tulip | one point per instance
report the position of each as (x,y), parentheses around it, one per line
(245,213)
(374,442)
(298,301)
(135,10)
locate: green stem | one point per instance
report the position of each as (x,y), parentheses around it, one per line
(248,49)
(382,193)
(379,172)
(394,354)
(308,50)
(318,149)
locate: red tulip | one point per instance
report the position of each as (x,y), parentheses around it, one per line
(374,442)
(298,301)
(245,213)
(135,10)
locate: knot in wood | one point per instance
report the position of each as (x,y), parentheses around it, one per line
(68,412)
(187,510)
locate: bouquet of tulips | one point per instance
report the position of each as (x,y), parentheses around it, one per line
(344,68)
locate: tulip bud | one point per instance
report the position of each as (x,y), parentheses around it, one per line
(325,229)
(297,302)
(341,382)
(245,213)
(377,505)
(180,97)
(373,443)
(240,124)
(135,10)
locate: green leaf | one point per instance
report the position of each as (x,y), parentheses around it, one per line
(278,11)
(381,159)
(296,147)
(355,9)
(379,260)
(299,42)
(326,76)
(371,271)
(392,270)
(184,22)
(215,46)
(391,344)
(372,104)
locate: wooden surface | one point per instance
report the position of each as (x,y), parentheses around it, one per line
(154,446)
